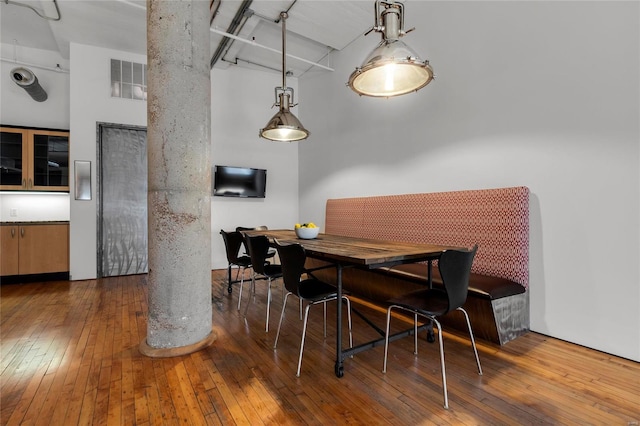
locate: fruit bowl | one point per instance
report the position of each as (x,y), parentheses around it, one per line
(307,233)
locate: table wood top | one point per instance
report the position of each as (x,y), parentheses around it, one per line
(358,251)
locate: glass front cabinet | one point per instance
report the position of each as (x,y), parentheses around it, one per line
(34,160)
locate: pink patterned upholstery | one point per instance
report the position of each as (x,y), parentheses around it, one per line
(496,219)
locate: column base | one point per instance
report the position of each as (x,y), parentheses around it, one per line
(151,352)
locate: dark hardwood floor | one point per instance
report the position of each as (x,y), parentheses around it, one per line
(70,356)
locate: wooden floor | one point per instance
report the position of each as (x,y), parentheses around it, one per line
(70,356)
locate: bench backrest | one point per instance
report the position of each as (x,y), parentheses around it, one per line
(495,219)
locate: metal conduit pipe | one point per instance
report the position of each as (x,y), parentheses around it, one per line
(48,18)
(236,27)
(58,68)
(235,23)
(215,4)
(253,43)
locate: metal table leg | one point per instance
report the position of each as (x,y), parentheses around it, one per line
(339,366)
(431,337)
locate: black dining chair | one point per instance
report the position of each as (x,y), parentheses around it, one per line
(432,303)
(258,247)
(309,289)
(270,253)
(232,242)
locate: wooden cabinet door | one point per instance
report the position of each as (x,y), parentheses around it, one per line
(44,248)
(9,249)
(49,161)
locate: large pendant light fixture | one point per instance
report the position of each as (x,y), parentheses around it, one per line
(284,126)
(392,68)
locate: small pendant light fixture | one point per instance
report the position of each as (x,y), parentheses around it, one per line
(392,68)
(284,126)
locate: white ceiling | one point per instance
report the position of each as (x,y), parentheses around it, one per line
(314,29)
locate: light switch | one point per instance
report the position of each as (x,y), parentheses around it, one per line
(13,212)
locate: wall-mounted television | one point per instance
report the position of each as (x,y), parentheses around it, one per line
(242,182)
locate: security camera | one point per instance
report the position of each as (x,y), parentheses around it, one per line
(26,79)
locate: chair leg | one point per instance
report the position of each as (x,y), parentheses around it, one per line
(252,291)
(240,292)
(304,333)
(253,285)
(415,334)
(386,339)
(229,278)
(444,374)
(266,327)
(473,341)
(324,313)
(304,326)
(284,305)
(440,343)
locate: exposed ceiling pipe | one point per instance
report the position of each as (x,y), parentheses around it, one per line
(15,61)
(253,64)
(214,6)
(26,64)
(235,23)
(48,18)
(248,14)
(277,20)
(253,43)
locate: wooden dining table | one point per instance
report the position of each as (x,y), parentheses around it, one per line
(344,252)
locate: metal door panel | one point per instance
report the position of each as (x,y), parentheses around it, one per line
(122,200)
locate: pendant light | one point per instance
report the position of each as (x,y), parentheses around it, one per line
(392,68)
(284,126)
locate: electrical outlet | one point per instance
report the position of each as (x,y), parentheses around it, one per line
(13,212)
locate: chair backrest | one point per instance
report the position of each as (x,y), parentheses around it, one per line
(257,246)
(292,259)
(256,228)
(455,268)
(232,243)
(244,228)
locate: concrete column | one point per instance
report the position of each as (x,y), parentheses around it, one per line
(179,187)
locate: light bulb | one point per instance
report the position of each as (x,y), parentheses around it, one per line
(390,75)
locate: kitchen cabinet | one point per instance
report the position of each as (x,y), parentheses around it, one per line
(34,248)
(34,160)
(9,249)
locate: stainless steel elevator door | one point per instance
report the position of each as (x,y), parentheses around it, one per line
(122,200)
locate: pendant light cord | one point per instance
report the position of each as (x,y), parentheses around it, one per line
(284,17)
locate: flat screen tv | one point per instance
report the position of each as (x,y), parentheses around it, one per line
(241,182)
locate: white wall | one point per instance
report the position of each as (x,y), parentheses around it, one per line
(241,103)
(240,106)
(34,207)
(90,103)
(541,94)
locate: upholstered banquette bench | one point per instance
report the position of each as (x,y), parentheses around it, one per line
(495,219)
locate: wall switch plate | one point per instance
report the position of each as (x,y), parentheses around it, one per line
(13,212)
